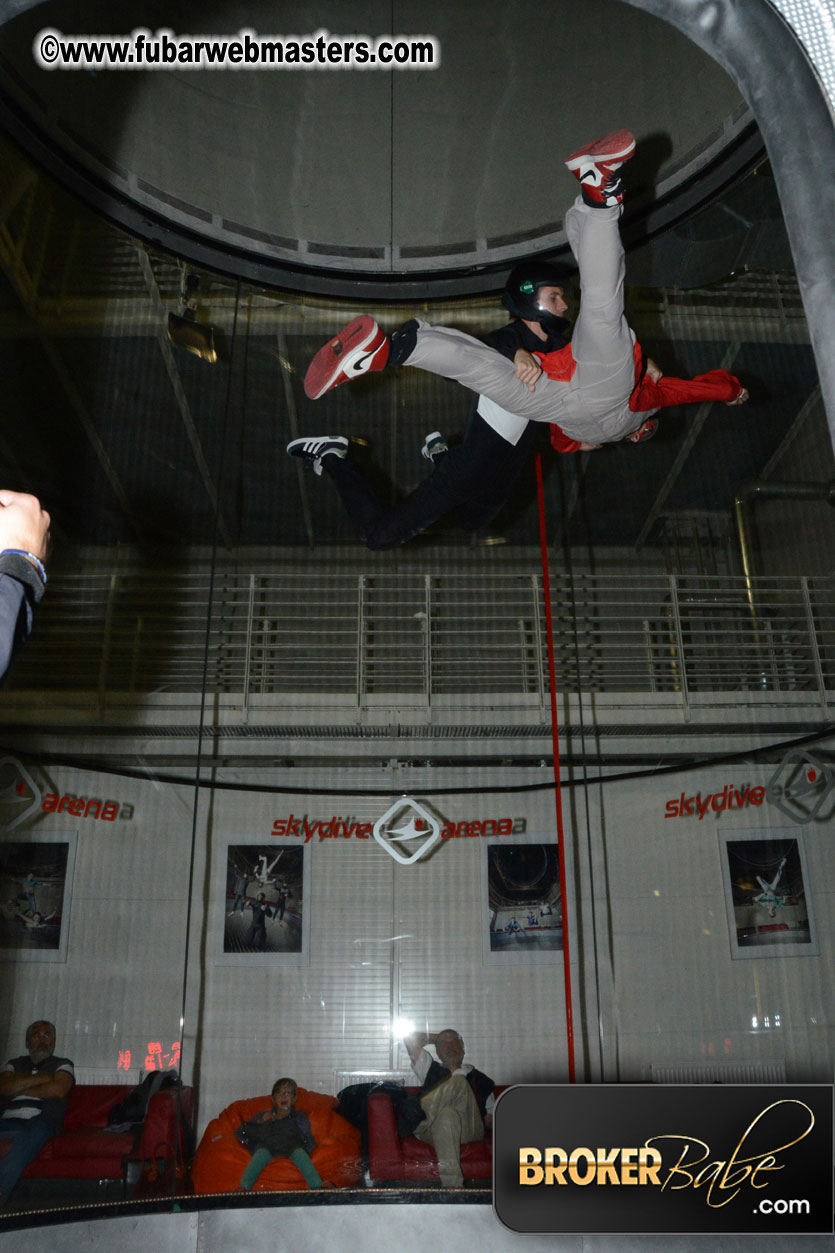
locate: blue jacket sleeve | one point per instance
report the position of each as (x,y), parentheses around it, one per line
(21,587)
(14,609)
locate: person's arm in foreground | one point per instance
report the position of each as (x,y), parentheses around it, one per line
(24,538)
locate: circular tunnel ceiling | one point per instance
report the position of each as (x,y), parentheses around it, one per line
(368,182)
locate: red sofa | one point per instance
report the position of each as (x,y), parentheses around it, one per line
(391,1159)
(85,1149)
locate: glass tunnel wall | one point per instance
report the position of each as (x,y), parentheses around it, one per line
(225,693)
(211,618)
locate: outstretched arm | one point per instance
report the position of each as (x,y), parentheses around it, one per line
(655,390)
(24,525)
(417,1042)
(655,373)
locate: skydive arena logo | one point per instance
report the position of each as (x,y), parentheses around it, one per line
(407,831)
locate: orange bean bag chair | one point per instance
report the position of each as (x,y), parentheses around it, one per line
(221,1159)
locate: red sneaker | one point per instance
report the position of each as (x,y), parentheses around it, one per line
(359,347)
(597,164)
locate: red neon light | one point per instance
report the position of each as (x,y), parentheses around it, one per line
(155,1059)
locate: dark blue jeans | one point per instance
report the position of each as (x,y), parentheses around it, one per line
(474,478)
(28,1136)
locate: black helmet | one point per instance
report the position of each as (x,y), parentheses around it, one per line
(524,281)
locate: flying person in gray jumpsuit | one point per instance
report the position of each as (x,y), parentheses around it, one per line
(593,404)
(586,395)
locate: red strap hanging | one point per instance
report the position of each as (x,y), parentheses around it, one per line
(555,740)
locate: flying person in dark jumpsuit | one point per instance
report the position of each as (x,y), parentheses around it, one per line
(475,476)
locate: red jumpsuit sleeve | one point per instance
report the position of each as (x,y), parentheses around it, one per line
(561,442)
(559,364)
(716,385)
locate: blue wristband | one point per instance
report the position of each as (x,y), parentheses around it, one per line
(21,552)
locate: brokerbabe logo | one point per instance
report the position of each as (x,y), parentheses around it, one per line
(664,1158)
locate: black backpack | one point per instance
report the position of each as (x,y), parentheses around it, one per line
(130,1113)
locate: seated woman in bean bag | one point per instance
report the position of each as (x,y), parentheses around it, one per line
(291,1140)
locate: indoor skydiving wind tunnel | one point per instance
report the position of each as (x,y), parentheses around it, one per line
(271,803)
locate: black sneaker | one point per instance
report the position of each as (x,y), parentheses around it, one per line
(403,342)
(314,447)
(434,446)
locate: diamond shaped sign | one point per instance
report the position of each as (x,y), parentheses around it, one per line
(800,785)
(20,795)
(407,831)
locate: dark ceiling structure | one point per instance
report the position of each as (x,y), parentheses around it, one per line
(299,193)
(359,182)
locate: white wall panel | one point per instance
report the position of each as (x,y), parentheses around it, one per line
(679,994)
(388,940)
(331,1014)
(120,987)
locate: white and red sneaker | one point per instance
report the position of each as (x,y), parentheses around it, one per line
(358,348)
(644,432)
(597,165)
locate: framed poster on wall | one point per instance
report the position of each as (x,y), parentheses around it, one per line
(767,894)
(524,901)
(260,905)
(35,895)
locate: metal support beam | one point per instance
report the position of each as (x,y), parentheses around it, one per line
(812,404)
(682,455)
(161,313)
(24,179)
(84,417)
(293,422)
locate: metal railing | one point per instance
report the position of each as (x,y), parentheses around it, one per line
(431,636)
